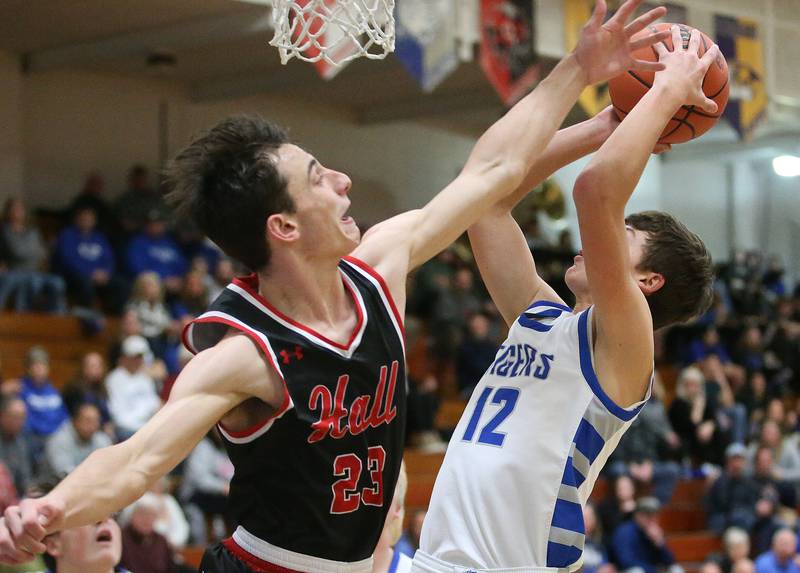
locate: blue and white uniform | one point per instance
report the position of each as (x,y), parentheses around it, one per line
(525,454)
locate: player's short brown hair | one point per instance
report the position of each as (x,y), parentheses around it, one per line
(682,258)
(227,182)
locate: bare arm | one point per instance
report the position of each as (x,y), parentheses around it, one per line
(621,317)
(212,384)
(501,251)
(503,155)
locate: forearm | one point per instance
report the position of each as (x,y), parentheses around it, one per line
(616,168)
(567,146)
(520,136)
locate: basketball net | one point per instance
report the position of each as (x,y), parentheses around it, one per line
(333,31)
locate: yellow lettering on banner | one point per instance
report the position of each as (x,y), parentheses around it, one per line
(749,68)
(576,13)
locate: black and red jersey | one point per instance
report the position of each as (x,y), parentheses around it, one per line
(317,477)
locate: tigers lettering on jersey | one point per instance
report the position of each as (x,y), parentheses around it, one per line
(357,419)
(521,360)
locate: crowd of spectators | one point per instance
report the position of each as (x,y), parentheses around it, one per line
(723,407)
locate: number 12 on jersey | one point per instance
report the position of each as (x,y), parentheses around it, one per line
(506,398)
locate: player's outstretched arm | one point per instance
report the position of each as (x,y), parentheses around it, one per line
(213,383)
(503,155)
(506,263)
(621,317)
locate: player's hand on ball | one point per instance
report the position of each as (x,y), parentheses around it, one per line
(605,50)
(685,69)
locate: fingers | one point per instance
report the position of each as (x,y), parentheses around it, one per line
(708,106)
(708,58)
(34,529)
(599,13)
(625,11)
(645,66)
(677,40)
(644,20)
(25,538)
(661,148)
(649,40)
(694,41)
(660,48)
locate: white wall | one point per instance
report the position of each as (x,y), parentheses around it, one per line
(11,152)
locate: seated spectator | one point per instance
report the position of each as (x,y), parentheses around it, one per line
(144,550)
(134,205)
(171,522)
(94,548)
(638,451)
(768,476)
(767,522)
(732,498)
(155,251)
(92,197)
(475,354)
(14,450)
(783,556)
(595,558)
(694,419)
(731,417)
(206,483)
(617,506)
(147,302)
(90,388)
(708,344)
(132,395)
(751,351)
(46,410)
(784,453)
(75,440)
(193,299)
(25,256)
(640,542)
(222,277)
(753,395)
(736,545)
(85,259)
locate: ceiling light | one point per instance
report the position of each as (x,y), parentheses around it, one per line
(786,165)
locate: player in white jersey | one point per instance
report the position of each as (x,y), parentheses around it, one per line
(567,383)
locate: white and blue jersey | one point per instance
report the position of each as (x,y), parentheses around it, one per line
(526,453)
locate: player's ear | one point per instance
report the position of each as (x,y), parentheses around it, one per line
(53,545)
(650,282)
(282,227)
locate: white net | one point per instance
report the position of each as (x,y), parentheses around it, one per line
(334,31)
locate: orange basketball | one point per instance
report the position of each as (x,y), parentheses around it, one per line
(689,122)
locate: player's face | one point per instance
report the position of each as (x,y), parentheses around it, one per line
(321,200)
(96,547)
(575,276)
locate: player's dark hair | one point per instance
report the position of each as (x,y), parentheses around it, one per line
(228,183)
(682,258)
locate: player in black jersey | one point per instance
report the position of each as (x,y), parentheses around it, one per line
(301,364)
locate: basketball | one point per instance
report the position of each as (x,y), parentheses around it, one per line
(689,122)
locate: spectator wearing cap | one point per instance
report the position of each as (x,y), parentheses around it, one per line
(46,410)
(732,498)
(14,449)
(75,440)
(640,542)
(154,250)
(132,395)
(783,555)
(84,257)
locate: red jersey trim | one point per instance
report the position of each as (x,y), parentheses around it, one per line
(374,274)
(250,285)
(254,430)
(253,562)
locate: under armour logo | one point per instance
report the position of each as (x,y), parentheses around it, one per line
(286,356)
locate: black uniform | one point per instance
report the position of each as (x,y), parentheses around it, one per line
(318,477)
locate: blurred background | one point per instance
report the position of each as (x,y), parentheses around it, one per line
(97,277)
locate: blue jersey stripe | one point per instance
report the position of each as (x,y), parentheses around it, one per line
(572,477)
(568,515)
(533,324)
(561,555)
(550,304)
(588,440)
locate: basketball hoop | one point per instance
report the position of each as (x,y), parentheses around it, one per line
(333,31)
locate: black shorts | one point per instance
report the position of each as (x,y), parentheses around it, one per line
(219,559)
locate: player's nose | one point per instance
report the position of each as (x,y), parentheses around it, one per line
(342,183)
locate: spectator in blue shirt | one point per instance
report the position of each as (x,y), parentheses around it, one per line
(640,542)
(781,559)
(86,260)
(46,410)
(155,251)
